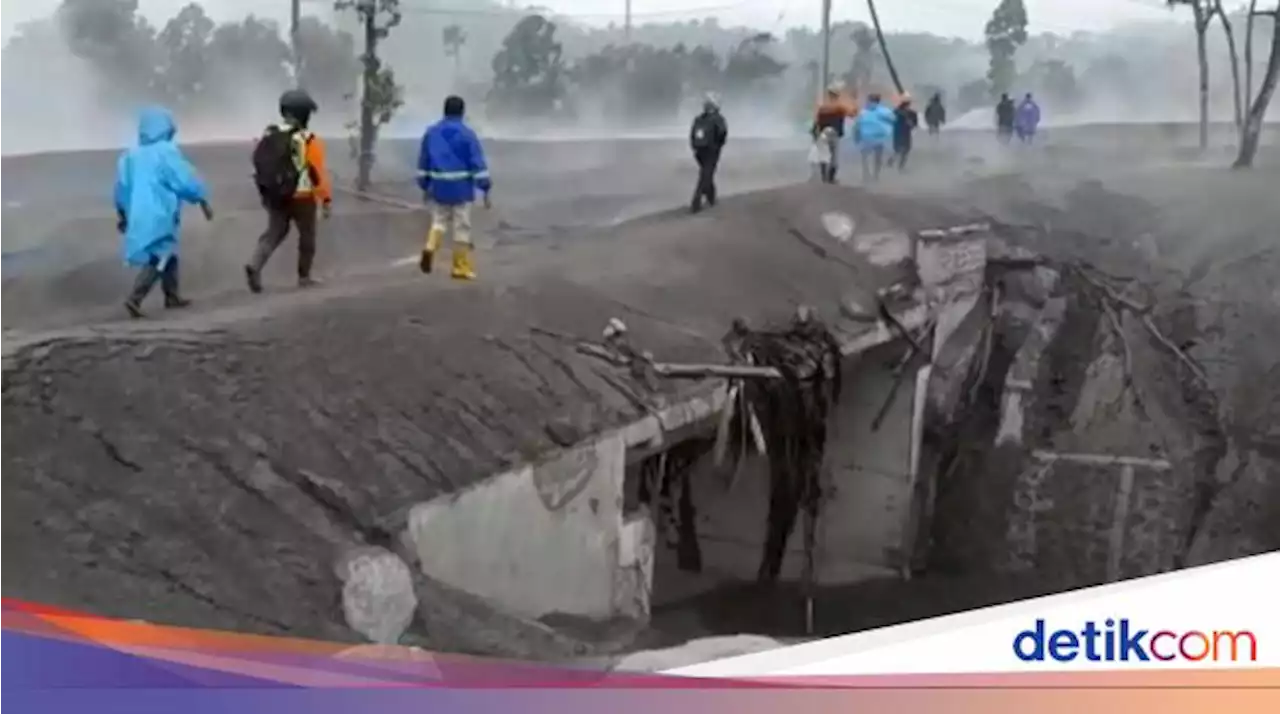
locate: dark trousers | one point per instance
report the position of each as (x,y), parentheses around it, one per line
(300,213)
(150,274)
(900,153)
(706,188)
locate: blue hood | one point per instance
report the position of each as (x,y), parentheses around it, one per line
(155,124)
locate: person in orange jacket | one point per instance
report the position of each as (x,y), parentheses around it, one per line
(831,114)
(293,181)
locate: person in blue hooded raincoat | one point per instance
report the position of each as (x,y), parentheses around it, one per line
(153,181)
(1027,119)
(872,132)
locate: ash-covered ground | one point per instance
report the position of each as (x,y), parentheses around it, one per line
(1197,240)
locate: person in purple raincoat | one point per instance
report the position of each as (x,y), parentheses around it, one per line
(1027,119)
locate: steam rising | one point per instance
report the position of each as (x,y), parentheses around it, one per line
(76,79)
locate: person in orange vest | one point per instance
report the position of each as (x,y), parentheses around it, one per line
(831,114)
(293,181)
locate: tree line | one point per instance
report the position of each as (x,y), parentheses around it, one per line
(513,64)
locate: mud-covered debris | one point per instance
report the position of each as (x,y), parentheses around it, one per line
(378,598)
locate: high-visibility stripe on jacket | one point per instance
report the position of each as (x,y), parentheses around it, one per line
(309,157)
(451,164)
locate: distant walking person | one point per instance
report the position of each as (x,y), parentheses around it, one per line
(153,181)
(289,168)
(451,167)
(1027,120)
(905,122)
(828,126)
(872,132)
(707,137)
(1005,112)
(935,115)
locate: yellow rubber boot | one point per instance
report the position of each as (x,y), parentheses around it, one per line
(434,236)
(462,267)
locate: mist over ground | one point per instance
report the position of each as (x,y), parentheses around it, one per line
(555,79)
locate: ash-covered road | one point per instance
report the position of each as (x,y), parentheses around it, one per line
(61,249)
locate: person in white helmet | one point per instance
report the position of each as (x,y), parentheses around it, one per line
(707,137)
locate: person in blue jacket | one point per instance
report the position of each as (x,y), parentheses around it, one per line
(872,132)
(451,167)
(153,181)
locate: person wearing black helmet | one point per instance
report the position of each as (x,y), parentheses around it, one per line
(289,168)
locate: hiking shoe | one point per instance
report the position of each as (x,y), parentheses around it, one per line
(176,303)
(308,282)
(134,308)
(253,279)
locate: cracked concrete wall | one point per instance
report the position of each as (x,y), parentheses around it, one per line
(539,540)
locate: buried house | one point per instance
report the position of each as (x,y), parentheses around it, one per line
(464,468)
(653,511)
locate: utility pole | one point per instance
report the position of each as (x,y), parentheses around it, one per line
(295,16)
(368,11)
(627,25)
(826,48)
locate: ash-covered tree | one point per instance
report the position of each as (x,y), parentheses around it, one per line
(529,72)
(972,95)
(865,55)
(185,43)
(251,49)
(702,70)
(1201,13)
(750,63)
(454,37)
(1259,103)
(634,83)
(1005,32)
(380,95)
(119,43)
(1234,56)
(330,65)
(1055,80)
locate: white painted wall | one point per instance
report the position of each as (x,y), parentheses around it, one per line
(538,540)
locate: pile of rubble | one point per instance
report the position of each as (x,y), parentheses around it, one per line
(1088,446)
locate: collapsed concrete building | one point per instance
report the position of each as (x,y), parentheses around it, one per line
(471,468)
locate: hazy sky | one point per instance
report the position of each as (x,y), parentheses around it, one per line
(963,18)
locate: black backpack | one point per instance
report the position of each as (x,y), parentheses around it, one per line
(703,135)
(274,168)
